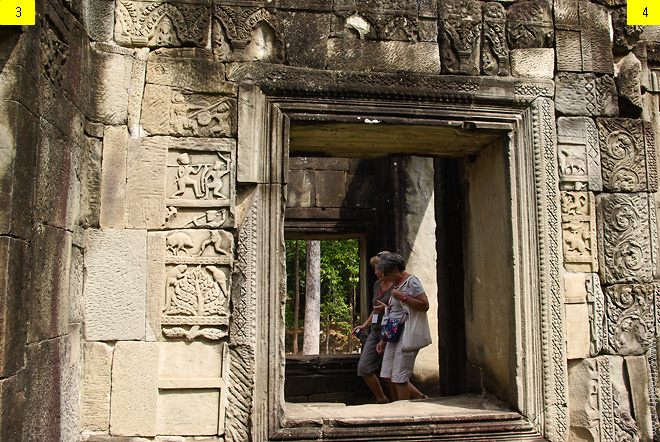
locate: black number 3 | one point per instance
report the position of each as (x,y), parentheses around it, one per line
(18,11)
(645,13)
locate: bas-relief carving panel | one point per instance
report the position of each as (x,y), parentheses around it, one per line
(494,50)
(626,147)
(579,154)
(169,111)
(246,33)
(630,319)
(579,231)
(181,183)
(460,38)
(626,240)
(161,23)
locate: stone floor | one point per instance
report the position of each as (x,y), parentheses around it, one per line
(465,417)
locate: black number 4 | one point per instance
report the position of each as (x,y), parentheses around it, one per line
(646,12)
(18,11)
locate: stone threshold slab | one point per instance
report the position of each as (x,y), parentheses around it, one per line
(464,418)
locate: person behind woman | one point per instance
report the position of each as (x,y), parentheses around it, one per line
(398,364)
(369,358)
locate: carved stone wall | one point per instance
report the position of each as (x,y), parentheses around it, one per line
(127,240)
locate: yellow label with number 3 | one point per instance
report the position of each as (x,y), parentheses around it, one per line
(643,12)
(17,12)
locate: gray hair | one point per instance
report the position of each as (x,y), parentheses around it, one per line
(390,262)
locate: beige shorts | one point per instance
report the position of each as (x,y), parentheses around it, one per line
(397,364)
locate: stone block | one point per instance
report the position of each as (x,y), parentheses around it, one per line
(95,400)
(494,50)
(169,111)
(627,243)
(584,407)
(575,288)
(628,159)
(188,69)
(53,182)
(109,76)
(87,167)
(596,303)
(48,303)
(360,190)
(146,175)
(300,188)
(578,333)
(162,24)
(245,33)
(460,51)
(584,94)
(183,412)
(626,37)
(578,221)
(98,18)
(136,93)
(330,188)
(583,39)
(637,368)
(629,86)
(43,391)
(579,154)
(115,284)
(12,407)
(629,326)
(529,25)
(76,275)
(310,51)
(113,178)
(18,145)
(15,264)
(134,404)
(383,56)
(533,63)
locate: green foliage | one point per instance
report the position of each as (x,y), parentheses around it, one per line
(340,275)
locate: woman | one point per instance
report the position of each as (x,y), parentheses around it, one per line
(370,359)
(398,364)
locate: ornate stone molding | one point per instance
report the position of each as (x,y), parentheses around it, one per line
(630,321)
(596,302)
(284,80)
(460,36)
(162,23)
(246,33)
(579,231)
(494,49)
(626,245)
(529,25)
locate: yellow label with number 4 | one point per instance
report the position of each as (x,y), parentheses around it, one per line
(643,12)
(17,12)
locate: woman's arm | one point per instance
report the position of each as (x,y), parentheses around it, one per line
(419,303)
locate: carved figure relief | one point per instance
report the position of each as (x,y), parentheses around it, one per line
(624,238)
(243,33)
(198,283)
(54,52)
(168,111)
(460,37)
(579,154)
(623,154)
(529,25)
(154,24)
(197,177)
(578,231)
(630,318)
(494,53)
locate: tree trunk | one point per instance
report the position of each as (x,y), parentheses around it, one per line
(327,335)
(312,299)
(296,303)
(350,335)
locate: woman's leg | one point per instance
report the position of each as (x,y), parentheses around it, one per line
(402,391)
(393,393)
(415,393)
(374,385)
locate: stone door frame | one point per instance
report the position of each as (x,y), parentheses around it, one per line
(270,97)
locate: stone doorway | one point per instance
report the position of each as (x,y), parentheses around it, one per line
(522,366)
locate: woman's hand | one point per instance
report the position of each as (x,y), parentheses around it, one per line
(362,327)
(397,294)
(380,308)
(380,347)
